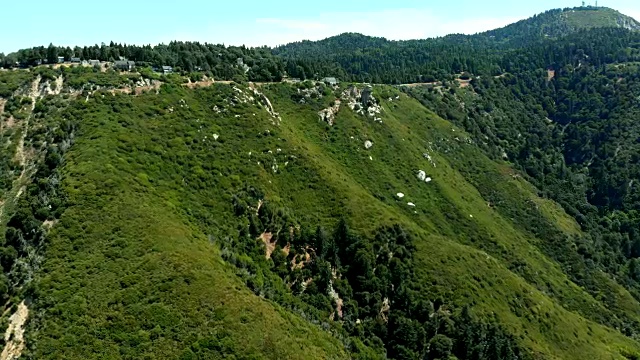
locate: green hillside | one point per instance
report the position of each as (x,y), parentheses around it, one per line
(484,207)
(155,203)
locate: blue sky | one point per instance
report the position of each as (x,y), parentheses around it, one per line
(255,23)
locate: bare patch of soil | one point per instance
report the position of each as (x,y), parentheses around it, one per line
(464,83)
(203,83)
(551,74)
(304,259)
(48,224)
(14,336)
(269,246)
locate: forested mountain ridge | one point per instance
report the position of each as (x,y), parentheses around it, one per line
(491,213)
(358,57)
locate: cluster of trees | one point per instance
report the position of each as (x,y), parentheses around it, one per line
(258,64)
(366,285)
(360,58)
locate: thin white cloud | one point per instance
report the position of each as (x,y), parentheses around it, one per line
(397,24)
(394,24)
(293,24)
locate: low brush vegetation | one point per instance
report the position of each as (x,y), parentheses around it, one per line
(235,230)
(490,212)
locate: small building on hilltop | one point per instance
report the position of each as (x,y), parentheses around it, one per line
(167,70)
(94,62)
(60,59)
(330,80)
(75,60)
(125,65)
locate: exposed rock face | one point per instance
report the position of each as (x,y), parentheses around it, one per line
(310,93)
(362,102)
(366,96)
(428,157)
(328,115)
(270,246)
(14,336)
(264,100)
(336,298)
(422,176)
(354,92)
(384,310)
(628,23)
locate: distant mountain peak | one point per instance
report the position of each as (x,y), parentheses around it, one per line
(590,17)
(561,22)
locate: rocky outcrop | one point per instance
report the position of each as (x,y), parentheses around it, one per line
(269,245)
(367,97)
(362,102)
(628,23)
(264,100)
(338,301)
(430,158)
(422,176)
(328,115)
(384,310)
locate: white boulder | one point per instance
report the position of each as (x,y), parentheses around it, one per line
(368,144)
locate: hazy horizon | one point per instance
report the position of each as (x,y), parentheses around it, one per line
(254,23)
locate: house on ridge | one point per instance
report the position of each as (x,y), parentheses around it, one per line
(126,65)
(330,80)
